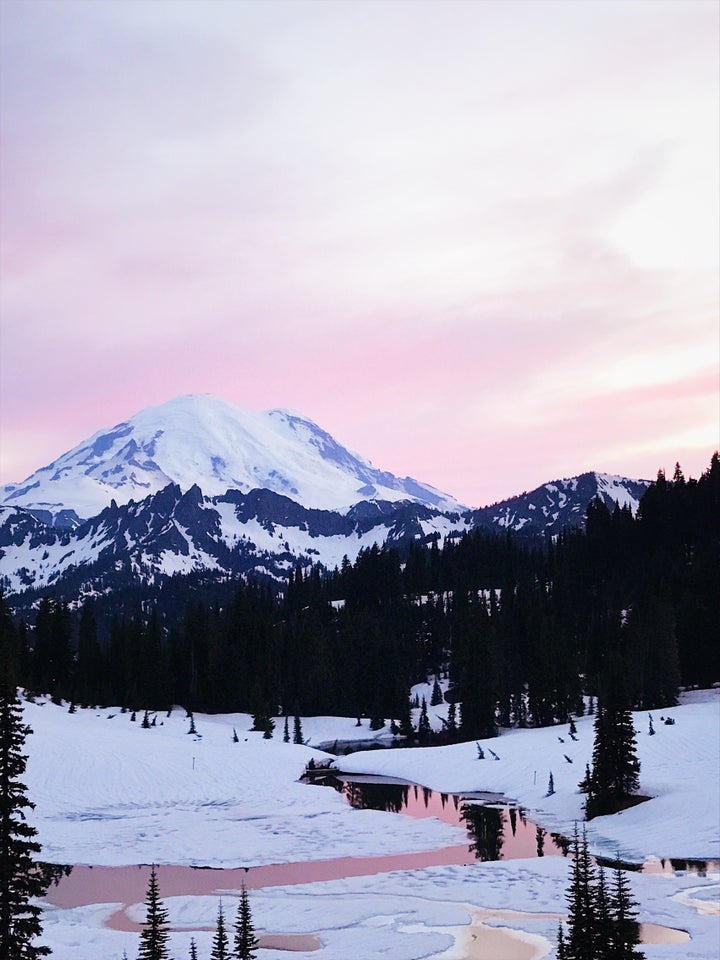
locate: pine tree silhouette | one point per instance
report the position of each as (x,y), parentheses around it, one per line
(221,945)
(245,939)
(20,880)
(154,936)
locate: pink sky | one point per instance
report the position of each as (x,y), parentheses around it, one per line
(476,242)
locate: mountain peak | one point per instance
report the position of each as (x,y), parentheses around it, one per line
(203,440)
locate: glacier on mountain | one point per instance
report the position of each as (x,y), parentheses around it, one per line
(203,440)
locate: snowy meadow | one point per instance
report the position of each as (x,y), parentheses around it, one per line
(110,793)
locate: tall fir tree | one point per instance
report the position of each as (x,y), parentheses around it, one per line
(193,949)
(615,773)
(154,936)
(601,923)
(582,938)
(245,939)
(625,929)
(220,944)
(297,730)
(21,880)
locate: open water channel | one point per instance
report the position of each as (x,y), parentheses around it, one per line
(495,830)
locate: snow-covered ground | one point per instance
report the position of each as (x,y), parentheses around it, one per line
(109,792)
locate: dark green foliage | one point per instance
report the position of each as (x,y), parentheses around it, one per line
(561,952)
(601,923)
(513,624)
(297,730)
(615,767)
(154,936)
(625,932)
(220,944)
(245,940)
(21,880)
(582,942)
(423,730)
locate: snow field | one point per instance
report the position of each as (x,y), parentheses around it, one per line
(109,792)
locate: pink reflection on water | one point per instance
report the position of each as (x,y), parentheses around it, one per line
(87,885)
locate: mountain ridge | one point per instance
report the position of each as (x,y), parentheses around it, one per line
(201,439)
(259,533)
(199,485)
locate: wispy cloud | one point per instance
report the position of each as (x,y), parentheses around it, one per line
(469,239)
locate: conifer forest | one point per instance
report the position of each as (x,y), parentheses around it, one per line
(618,611)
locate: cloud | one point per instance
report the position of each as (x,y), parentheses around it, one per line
(440,230)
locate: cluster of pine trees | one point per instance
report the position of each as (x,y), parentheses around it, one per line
(154,936)
(522,631)
(602,921)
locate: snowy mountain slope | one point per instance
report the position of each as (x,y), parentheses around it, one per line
(172,532)
(260,533)
(561,503)
(207,441)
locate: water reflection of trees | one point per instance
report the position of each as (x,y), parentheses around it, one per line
(485,825)
(485,830)
(390,797)
(52,872)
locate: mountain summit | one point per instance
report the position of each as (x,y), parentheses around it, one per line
(205,441)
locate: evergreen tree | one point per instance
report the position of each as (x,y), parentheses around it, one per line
(424,729)
(154,936)
(297,730)
(601,923)
(603,918)
(286,731)
(436,697)
(452,719)
(582,933)
(561,952)
(616,768)
(20,878)
(625,934)
(245,939)
(193,949)
(220,944)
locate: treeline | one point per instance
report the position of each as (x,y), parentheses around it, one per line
(522,632)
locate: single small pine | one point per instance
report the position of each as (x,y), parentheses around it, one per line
(297,730)
(220,944)
(193,949)
(245,939)
(154,936)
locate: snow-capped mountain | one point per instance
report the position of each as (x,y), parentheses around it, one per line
(198,484)
(259,533)
(203,440)
(174,532)
(561,503)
